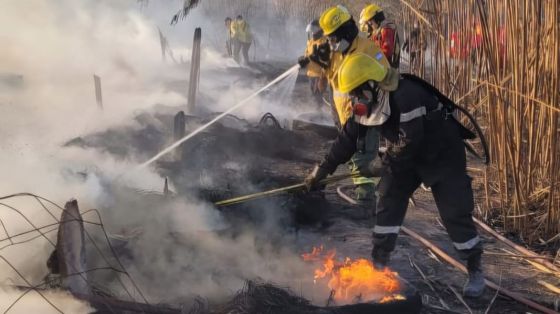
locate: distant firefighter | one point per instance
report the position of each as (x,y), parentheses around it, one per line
(315,73)
(381,31)
(229,49)
(241,39)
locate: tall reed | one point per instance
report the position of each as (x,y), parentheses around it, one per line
(504,66)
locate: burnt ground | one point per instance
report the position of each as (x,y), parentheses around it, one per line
(237,157)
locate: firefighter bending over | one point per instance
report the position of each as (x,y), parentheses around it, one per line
(425,146)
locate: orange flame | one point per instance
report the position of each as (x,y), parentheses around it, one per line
(354,280)
(392,298)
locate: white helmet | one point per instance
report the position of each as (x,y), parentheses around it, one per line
(313,27)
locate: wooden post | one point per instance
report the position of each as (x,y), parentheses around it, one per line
(70,250)
(179,133)
(195,70)
(98,96)
(165,188)
(163,44)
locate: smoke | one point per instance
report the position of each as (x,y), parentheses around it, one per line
(187,251)
(36,304)
(50,51)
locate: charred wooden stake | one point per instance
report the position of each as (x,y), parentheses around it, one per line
(98,95)
(165,188)
(70,250)
(195,69)
(179,132)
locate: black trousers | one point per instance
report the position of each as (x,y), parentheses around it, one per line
(454,199)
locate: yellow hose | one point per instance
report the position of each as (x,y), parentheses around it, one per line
(273,192)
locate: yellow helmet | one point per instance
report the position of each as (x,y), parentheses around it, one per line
(357,69)
(369,12)
(333,18)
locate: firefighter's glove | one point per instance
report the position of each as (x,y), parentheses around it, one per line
(376,168)
(321,55)
(303,61)
(312,182)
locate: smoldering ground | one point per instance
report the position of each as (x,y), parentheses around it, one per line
(50,51)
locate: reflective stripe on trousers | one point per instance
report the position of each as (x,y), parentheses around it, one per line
(386,229)
(468,244)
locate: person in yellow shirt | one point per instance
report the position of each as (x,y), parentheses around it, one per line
(343,40)
(241,39)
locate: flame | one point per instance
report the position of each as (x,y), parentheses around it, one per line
(392,298)
(354,280)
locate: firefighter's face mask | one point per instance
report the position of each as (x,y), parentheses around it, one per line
(369,26)
(338,44)
(364,99)
(367,106)
(317,35)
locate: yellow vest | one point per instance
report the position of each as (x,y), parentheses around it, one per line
(240,31)
(313,69)
(342,101)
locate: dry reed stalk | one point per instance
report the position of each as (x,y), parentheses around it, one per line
(506,60)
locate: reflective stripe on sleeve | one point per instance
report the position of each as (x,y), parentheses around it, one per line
(413,114)
(467,245)
(386,229)
(416,113)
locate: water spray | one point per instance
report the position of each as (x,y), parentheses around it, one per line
(245,101)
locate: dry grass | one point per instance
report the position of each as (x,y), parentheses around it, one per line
(304,10)
(511,80)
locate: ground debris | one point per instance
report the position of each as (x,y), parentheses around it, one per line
(261,297)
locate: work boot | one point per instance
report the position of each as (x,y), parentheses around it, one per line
(474,287)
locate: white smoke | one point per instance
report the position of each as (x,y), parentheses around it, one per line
(50,51)
(36,304)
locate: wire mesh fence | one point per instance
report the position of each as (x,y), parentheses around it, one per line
(111,263)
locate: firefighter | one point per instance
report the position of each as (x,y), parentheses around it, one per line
(381,31)
(342,41)
(425,146)
(315,73)
(241,39)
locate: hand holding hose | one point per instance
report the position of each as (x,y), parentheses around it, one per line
(313,180)
(321,55)
(303,61)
